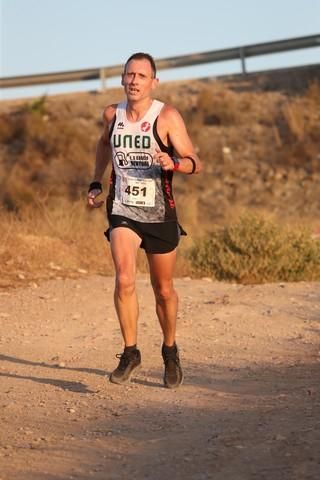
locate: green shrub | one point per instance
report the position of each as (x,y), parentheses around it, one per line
(39,105)
(257,250)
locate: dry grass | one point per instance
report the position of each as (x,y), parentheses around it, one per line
(260,152)
(48,241)
(61,240)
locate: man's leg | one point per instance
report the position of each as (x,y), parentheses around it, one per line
(124,247)
(161,273)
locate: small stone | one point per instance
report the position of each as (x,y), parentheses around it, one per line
(53,266)
(61,364)
(226,150)
(280,437)
(311,391)
(71,410)
(187,458)
(21,276)
(82,270)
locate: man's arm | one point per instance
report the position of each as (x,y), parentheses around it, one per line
(103,157)
(171,126)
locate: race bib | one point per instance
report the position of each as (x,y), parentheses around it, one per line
(139,192)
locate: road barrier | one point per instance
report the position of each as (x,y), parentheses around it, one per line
(237,53)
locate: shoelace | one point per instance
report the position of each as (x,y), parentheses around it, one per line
(124,360)
(171,356)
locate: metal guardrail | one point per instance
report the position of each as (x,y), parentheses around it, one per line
(237,53)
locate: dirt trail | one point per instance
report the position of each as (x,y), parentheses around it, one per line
(249,407)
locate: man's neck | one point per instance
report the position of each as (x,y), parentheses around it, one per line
(136,110)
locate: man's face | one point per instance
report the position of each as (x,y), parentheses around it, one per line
(138,80)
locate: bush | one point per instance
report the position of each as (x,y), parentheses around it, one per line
(257,250)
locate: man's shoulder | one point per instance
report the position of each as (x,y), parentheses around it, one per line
(169,114)
(168,111)
(109,112)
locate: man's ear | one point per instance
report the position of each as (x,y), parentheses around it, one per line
(122,80)
(155,83)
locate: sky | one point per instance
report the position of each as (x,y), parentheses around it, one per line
(41,36)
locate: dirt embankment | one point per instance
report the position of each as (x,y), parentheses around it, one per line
(258,138)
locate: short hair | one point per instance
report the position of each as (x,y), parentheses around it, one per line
(143,56)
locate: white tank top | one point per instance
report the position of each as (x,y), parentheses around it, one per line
(139,188)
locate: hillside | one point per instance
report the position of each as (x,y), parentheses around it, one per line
(258,140)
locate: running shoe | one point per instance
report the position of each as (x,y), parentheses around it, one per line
(128,364)
(173,375)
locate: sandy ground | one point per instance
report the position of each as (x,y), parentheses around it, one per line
(249,407)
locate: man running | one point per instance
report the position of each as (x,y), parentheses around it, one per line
(147,141)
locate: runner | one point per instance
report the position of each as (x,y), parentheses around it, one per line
(147,141)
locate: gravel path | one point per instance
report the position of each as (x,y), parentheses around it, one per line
(249,407)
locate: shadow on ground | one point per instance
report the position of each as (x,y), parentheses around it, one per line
(243,424)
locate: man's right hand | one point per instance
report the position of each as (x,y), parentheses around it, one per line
(93,193)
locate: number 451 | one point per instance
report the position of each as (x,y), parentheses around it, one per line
(135,190)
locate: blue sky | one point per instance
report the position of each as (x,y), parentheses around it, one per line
(39,36)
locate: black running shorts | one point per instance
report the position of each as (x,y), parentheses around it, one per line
(155,237)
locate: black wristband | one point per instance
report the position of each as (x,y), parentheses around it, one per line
(95,186)
(194,165)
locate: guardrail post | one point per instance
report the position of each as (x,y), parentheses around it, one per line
(103,79)
(243,60)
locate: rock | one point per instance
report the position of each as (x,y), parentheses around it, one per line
(44,296)
(53,266)
(311,391)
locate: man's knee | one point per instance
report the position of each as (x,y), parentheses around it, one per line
(164,292)
(125,284)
